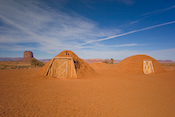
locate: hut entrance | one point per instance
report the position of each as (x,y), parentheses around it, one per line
(62,67)
(148,67)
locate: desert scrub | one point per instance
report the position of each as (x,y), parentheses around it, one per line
(2,66)
(35,63)
(14,67)
(111,61)
(168,64)
(106,62)
(21,67)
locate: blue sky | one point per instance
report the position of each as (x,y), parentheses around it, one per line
(90,28)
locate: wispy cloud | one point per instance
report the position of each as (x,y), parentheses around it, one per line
(158,11)
(102,46)
(167,54)
(133,22)
(149,14)
(121,54)
(127,33)
(106,54)
(128,2)
(53,30)
(126,45)
(32,25)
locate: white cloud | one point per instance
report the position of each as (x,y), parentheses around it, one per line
(128,2)
(121,54)
(163,54)
(33,22)
(105,54)
(127,33)
(51,31)
(133,22)
(126,45)
(102,46)
(149,14)
(158,11)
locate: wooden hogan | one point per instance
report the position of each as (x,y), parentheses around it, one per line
(61,67)
(67,65)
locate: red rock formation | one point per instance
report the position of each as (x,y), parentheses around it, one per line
(27,56)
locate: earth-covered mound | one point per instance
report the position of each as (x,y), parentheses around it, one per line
(134,64)
(82,68)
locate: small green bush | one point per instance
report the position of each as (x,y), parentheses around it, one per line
(2,66)
(40,64)
(112,61)
(14,67)
(35,62)
(106,62)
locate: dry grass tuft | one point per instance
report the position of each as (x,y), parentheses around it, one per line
(168,66)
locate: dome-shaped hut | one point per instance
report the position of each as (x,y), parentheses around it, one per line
(140,64)
(67,65)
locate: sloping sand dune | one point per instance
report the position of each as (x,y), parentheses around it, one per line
(107,94)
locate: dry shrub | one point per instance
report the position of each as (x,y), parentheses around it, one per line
(35,63)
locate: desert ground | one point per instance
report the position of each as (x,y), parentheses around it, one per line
(108,93)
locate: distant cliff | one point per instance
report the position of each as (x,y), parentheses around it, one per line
(44,60)
(28,55)
(86,60)
(10,59)
(165,61)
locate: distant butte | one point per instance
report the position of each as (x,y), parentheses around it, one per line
(27,56)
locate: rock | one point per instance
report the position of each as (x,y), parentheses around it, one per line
(27,56)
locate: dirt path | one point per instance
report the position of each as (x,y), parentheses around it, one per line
(109,93)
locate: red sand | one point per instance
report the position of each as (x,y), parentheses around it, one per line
(108,94)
